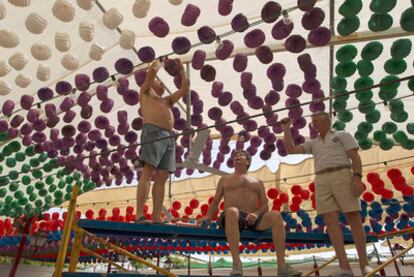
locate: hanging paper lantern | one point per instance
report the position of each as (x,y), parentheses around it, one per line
(198,59)
(239,23)
(159,27)
(181,45)
(282,29)
(190,15)
(348,25)
(380,22)
(320,36)
(206,35)
(372,50)
(350,8)
(124,66)
(254,38)
(208,73)
(295,43)
(271,12)
(225,7)
(313,19)
(100,74)
(146,54)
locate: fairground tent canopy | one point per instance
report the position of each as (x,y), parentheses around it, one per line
(70,75)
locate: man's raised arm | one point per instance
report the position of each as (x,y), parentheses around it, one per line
(149,78)
(184,87)
(287,139)
(213,207)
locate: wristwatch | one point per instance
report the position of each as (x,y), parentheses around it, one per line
(358,174)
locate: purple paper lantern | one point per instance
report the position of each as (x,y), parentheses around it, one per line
(16,121)
(124,66)
(159,27)
(295,43)
(225,98)
(63,88)
(100,74)
(236,107)
(208,73)
(69,116)
(181,45)
(146,54)
(271,12)
(131,97)
(224,50)
(140,76)
(26,101)
(313,18)
(321,36)
(254,38)
(255,102)
(293,91)
(306,5)
(107,105)
(67,104)
(101,122)
(225,7)
(8,107)
(190,15)
(86,112)
(272,98)
(239,23)
(264,54)
(137,123)
(84,98)
(82,82)
(45,94)
(276,71)
(198,59)
(282,29)
(246,80)
(216,89)
(206,35)
(240,62)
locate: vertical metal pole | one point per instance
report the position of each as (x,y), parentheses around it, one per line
(382,271)
(111,254)
(315,267)
(331,51)
(21,247)
(188,107)
(392,254)
(189,265)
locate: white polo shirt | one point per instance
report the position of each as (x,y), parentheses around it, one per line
(331,152)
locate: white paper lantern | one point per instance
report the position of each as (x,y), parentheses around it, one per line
(140,8)
(43,72)
(5,87)
(127,39)
(8,39)
(4,69)
(96,52)
(62,41)
(2,11)
(176,2)
(63,10)
(18,61)
(22,81)
(86,4)
(35,23)
(69,62)
(40,51)
(86,31)
(20,3)
(112,18)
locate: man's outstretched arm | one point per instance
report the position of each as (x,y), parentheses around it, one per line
(287,139)
(149,78)
(184,87)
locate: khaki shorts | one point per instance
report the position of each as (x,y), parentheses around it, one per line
(333,192)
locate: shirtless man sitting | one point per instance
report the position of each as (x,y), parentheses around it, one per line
(246,207)
(158,157)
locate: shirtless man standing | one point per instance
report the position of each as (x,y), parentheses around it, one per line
(246,207)
(158,157)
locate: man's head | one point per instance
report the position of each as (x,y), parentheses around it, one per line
(158,87)
(241,157)
(321,121)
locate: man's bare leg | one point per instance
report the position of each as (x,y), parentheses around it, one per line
(233,233)
(143,188)
(274,220)
(358,234)
(158,193)
(337,238)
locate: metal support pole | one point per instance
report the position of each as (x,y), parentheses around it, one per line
(21,247)
(392,254)
(331,50)
(315,266)
(322,266)
(63,248)
(188,107)
(382,271)
(189,265)
(111,254)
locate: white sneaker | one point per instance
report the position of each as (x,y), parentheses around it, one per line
(237,270)
(343,273)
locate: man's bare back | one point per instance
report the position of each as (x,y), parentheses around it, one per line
(157,110)
(242,192)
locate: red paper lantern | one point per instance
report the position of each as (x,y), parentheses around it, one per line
(46,216)
(272,193)
(368,196)
(194,203)
(185,218)
(294,207)
(116,212)
(372,177)
(102,213)
(145,208)
(55,216)
(176,205)
(89,214)
(312,187)
(296,200)
(399,181)
(175,214)
(407,190)
(188,210)
(64,214)
(296,189)
(305,194)
(210,199)
(129,210)
(394,173)
(222,205)
(204,209)
(284,197)
(387,194)
(412,170)
(378,189)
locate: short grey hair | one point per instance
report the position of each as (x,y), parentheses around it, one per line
(322,114)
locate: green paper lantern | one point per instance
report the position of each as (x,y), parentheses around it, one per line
(28,210)
(365,144)
(411,84)
(69,188)
(29,151)
(69,179)
(339,125)
(38,203)
(89,186)
(76,176)
(7,151)
(4,136)
(1,169)
(3,192)
(4,181)
(20,156)
(387,144)
(61,184)
(360,135)
(372,50)
(366,106)
(30,189)
(350,8)
(407,20)
(389,127)
(365,68)
(390,83)
(11,162)
(363,83)
(26,180)
(58,194)
(57,202)
(52,188)
(399,117)
(348,25)
(382,6)
(401,48)
(399,136)
(13,174)
(345,69)
(15,146)
(67,197)
(410,128)
(396,106)
(43,192)
(339,106)
(23,201)
(42,157)
(8,199)
(379,135)
(48,199)
(365,127)
(34,162)
(345,116)
(39,185)
(364,95)
(1,157)
(49,180)
(18,194)
(408,144)
(380,22)
(341,96)
(346,53)
(13,186)
(395,66)
(37,173)
(338,83)
(387,95)
(26,168)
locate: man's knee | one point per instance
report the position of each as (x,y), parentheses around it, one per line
(331,218)
(275,218)
(231,213)
(353,217)
(161,176)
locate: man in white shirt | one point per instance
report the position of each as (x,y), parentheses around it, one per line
(338,185)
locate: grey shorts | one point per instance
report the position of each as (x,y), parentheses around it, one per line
(161,153)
